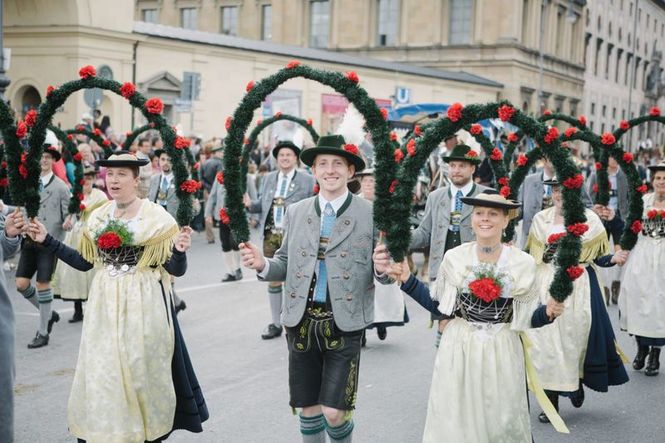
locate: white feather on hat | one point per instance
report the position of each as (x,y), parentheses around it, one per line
(351,127)
(51,139)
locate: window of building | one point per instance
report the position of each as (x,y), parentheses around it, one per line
(266,22)
(560,22)
(623,114)
(599,44)
(230,20)
(149,15)
(188,18)
(526,10)
(609,30)
(608,59)
(319,23)
(591,126)
(631,9)
(600,24)
(629,58)
(620,35)
(460,22)
(618,65)
(593,108)
(387,22)
(614,113)
(604,111)
(602,128)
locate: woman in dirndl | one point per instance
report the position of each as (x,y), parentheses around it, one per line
(134,381)
(642,298)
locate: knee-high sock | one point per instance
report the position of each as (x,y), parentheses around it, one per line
(275,297)
(228,259)
(45,297)
(236,259)
(312,429)
(342,433)
(30,294)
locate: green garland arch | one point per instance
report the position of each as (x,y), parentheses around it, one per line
(56,97)
(132,135)
(103,143)
(458,117)
(346,84)
(13,153)
(77,189)
(4,179)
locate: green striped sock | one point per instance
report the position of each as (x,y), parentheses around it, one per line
(312,428)
(341,433)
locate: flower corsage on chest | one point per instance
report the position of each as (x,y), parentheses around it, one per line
(115,242)
(486,282)
(653,225)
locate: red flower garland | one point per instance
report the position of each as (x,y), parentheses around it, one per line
(78,157)
(656,214)
(384,113)
(496,155)
(21,129)
(418,131)
(486,289)
(229,120)
(554,238)
(411,148)
(654,112)
(87,71)
(127,90)
(636,227)
(224,216)
(398,155)
(182,142)
(574,182)
(97,132)
(607,139)
(454,112)
(503,181)
(595,188)
(642,189)
(512,137)
(49,90)
(351,75)
(598,166)
(393,136)
(624,125)
(278,114)
(521,160)
(190,186)
(310,122)
(505,191)
(628,157)
(547,112)
(575,272)
(578,229)
(293,64)
(353,149)
(471,154)
(582,120)
(220,177)
(106,143)
(30,118)
(393,185)
(570,131)
(552,134)
(81,207)
(154,105)
(250,85)
(476,129)
(109,240)
(506,112)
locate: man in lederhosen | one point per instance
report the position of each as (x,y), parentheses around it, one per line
(326,263)
(280,188)
(447,221)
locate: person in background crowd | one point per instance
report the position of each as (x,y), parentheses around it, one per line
(213,166)
(145,153)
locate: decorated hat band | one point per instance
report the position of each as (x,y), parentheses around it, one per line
(122,159)
(492,199)
(333,145)
(463,153)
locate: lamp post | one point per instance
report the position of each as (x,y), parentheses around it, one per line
(541,56)
(4,80)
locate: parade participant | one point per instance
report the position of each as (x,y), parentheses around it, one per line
(35,259)
(134,381)
(438,165)
(613,216)
(10,228)
(579,348)
(145,153)
(478,387)
(213,209)
(279,189)
(325,261)
(389,307)
(68,283)
(447,221)
(643,290)
(209,171)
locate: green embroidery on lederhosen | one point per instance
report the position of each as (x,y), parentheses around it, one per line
(302,340)
(351,381)
(331,343)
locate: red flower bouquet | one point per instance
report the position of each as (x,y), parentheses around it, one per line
(114,235)
(487,283)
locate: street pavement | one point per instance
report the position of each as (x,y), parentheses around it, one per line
(244,378)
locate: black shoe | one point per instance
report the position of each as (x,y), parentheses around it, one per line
(238,274)
(553,396)
(39,341)
(180,306)
(577,397)
(642,352)
(654,362)
(55,318)
(382,332)
(78,316)
(363,341)
(616,289)
(271,331)
(542,417)
(229,277)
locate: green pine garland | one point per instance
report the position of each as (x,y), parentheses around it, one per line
(132,135)
(75,201)
(4,179)
(13,151)
(103,143)
(236,126)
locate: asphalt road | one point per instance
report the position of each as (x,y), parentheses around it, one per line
(244,378)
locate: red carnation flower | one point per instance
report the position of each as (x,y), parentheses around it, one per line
(496,155)
(636,227)
(512,137)
(310,121)
(250,85)
(505,112)
(245,141)
(21,129)
(485,289)
(554,238)
(471,154)
(49,90)
(575,272)
(70,137)
(220,177)
(417,130)
(4,182)
(351,75)
(607,139)
(224,216)
(547,112)
(552,134)
(278,114)
(78,157)
(642,189)
(316,188)
(398,155)
(393,136)
(652,214)
(258,122)
(3,164)
(624,125)
(654,112)
(476,129)
(599,166)
(127,90)
(393,186)
(578,229)
(80,128)
(582,120)
(106,143)
(97,132)
(81,207)
(628,157)
(574,182)
(503,181)
(595,188)
(411,147)
(80,196)
(190,186)
(128,133)
(293,64)
(455,112)
(23,171)
(87,71)
(109,240)
(505,191)
(196,166)
(182,142)
(154,105)
(521,160)
(570,131)
(31,118)
(384,113)
(353,149)
(227,123)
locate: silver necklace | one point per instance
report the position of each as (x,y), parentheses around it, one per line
(489,250)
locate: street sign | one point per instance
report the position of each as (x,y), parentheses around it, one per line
(93,97)
(182,105)
(402,95)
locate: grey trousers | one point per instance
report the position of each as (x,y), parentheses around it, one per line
(6,368)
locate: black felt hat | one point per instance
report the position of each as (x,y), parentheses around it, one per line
(463,153)
(285,144)
(334,145)
(122,159)
(53,152)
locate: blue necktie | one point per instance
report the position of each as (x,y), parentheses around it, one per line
(327,224)
(163,189)
(280,209)
(458,209)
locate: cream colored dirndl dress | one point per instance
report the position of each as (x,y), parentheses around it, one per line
(559,348)
(478,392)
(123,390)
(68,282)
(642,297)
